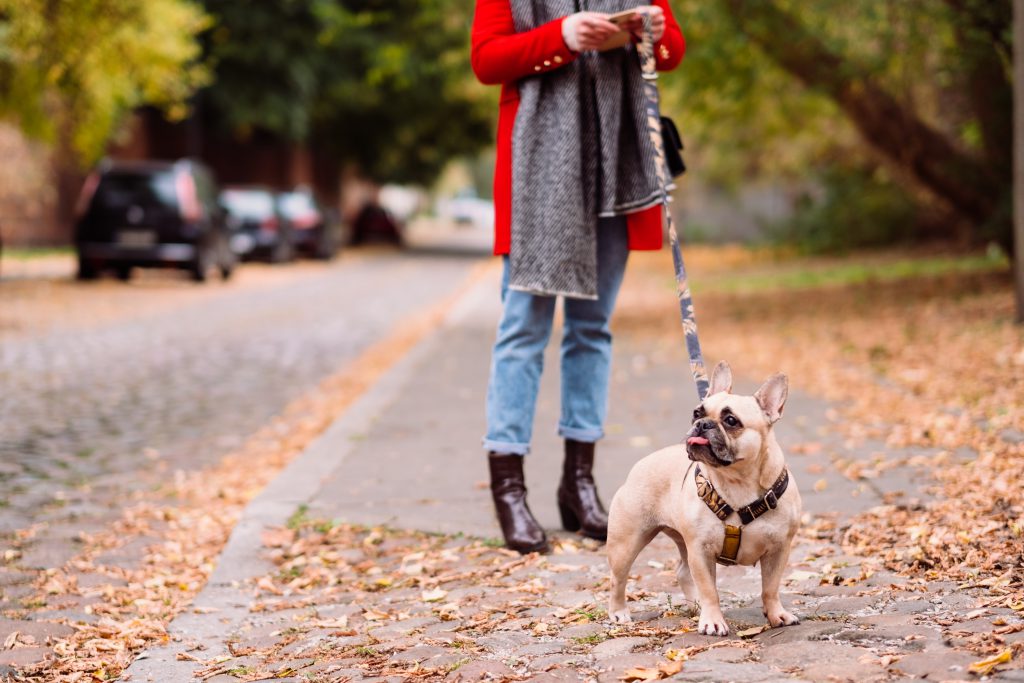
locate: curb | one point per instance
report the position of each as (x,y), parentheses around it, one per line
(223,602)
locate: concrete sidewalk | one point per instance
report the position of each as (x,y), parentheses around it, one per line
(397,605)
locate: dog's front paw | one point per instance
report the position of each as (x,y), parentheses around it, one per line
(781,618)
(712,624)
(621,616)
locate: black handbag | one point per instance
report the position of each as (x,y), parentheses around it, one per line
(673,145)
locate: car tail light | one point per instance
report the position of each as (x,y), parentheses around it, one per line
(86,195)
(306,220)
(270,223)
(188,199)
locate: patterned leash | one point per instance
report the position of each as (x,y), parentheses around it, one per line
(650,76)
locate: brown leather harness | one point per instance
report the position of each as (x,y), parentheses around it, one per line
(722,510)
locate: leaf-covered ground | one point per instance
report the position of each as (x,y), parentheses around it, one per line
(925,357)
(933,361)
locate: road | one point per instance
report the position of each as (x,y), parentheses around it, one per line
(103,381)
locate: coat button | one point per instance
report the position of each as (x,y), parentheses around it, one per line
(558,59)
(536,68)
(547,63)
(664,52)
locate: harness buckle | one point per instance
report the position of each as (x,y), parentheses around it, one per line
(771,500)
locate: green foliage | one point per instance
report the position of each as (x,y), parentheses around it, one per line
(858,208)
(267,61)
(70,70)
(401,100)
(942,65)
(384,85)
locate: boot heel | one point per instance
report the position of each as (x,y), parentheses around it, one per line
(570,522)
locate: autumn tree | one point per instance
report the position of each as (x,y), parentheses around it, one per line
(383,85)
(71,71)
(924,87)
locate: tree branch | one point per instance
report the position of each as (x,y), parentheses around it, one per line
(896,133)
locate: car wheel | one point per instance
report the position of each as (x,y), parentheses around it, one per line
(283,252)
(201,265)
(124,273)
(326,247)
(87,270)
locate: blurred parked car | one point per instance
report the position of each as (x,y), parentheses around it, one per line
(374,223)
(467,210)
(151,214)
(315,231)
(260,228)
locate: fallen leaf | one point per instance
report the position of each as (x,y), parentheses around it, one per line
(676,656)
(670,668)
(985,666)
(751,632)
(640,673)
(821,485)
(435,595)
(11,640)
(375,615)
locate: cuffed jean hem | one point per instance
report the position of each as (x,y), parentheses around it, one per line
(506,447)
(577,434)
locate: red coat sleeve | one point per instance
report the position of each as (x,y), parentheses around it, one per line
(670,49)
(500,55)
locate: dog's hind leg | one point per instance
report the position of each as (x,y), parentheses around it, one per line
(624,545)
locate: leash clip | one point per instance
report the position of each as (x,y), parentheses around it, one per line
(771,500)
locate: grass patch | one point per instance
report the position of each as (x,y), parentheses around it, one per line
(594,613)
(298,518)
(29,253)
(817,273)
(456,665)
(493,542)
(592,639)
(366,651)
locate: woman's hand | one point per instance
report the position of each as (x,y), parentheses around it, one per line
(636,27)
(588,30)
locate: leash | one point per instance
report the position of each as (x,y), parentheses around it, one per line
(650,76)
(705,490)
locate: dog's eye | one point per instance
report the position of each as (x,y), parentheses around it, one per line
(731,421)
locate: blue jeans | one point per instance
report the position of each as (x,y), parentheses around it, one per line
(518,358)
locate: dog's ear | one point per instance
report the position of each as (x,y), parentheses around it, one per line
(721,379)
(772,396)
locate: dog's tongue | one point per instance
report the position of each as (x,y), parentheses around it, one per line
(699,440)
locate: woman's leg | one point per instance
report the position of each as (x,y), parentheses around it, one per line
(587,341)
(516,366)
(586,367)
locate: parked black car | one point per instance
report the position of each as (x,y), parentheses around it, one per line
(151,214)
(315,231)
(261,228)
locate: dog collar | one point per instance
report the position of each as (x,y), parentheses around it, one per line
(722,510)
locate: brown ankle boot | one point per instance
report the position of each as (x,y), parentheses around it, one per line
(578,501)
(508,488)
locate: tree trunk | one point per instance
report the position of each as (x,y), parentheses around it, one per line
(1018,145)
(970,187)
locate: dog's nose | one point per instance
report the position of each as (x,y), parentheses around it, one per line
(702,425)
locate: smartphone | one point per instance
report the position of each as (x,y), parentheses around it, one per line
(620,19)
(620,39)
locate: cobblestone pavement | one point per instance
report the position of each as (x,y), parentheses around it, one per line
(359,604)
(108,389)
(325,587)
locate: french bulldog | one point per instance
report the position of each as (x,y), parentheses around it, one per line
(732,443)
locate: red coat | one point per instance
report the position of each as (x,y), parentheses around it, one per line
(502,56)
